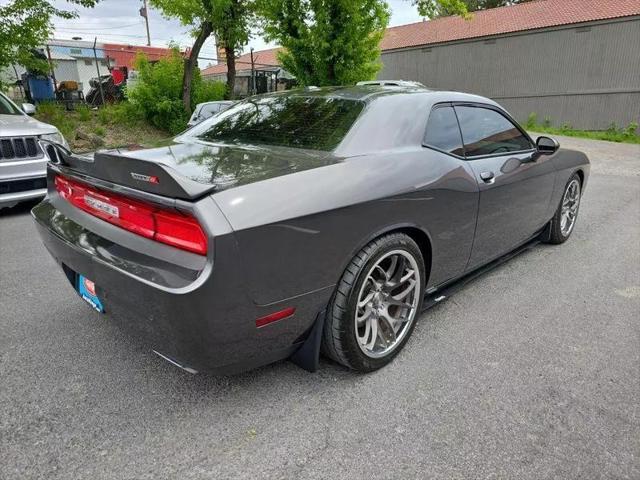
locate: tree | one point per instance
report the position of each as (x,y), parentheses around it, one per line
(441,8)
(475,5)
(232,27)
(26,25)
(196,13)
(157,94)
(444,8)
(227,19)
(332,42)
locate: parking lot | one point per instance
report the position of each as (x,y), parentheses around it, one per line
(531,371)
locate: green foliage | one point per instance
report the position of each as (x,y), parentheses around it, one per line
(84,113)
(441,8)
(327,43)
(104,115)
(157,95)
(124,113)
(613,133)
(229,20)
(26,25)
(444,8)
(208,91)
(98,130)
(631,129)
(55,114)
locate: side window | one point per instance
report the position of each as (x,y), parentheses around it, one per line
(487,132)
(209,110)
(443,132)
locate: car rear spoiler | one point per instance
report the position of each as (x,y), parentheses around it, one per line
(145,175)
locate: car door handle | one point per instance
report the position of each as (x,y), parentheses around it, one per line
(488,177)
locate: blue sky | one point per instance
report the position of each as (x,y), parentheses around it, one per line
(118,21)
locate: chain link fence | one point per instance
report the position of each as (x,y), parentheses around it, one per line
(95,73)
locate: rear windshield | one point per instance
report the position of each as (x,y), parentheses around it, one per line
(315,123)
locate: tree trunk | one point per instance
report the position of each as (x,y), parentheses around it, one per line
(230,55)
(190,63)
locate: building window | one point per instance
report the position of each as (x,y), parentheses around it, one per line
(103,63)
(75,51)
(88,62)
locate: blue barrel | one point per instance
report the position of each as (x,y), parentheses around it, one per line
(41,89)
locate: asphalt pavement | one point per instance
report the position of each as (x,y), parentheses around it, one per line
(530,372)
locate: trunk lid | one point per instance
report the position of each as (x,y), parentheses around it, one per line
(190,169)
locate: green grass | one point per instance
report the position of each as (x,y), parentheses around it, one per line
(118,125)
(612,134)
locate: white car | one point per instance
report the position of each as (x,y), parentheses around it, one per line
(23,165)
(207,110)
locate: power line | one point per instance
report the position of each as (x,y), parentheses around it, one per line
(101,28)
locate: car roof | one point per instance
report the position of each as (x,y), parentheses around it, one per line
(215,102)
(368,93)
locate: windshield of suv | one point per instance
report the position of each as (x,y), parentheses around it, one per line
(316,123)
(7,107)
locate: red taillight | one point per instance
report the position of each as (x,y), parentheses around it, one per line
(173,228)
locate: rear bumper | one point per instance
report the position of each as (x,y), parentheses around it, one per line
(194,313)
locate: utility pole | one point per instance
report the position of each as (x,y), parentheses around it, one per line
(253,74)
(95,56)
(144,12)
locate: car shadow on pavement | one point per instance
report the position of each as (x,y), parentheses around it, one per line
(19,209)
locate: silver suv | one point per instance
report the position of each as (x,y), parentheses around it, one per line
(23,165)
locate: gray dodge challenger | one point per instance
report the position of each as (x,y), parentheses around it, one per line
(308,221)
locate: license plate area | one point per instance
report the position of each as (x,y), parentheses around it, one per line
(87,290)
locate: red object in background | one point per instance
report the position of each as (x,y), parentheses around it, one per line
(124,55)
(118,75)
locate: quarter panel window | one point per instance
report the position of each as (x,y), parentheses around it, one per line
(443,132)
(486,132)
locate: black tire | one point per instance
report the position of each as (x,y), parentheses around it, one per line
(556,235)
(339,340)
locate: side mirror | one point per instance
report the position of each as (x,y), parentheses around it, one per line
(547,145)
(29,108)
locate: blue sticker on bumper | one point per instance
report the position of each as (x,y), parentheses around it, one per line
(86,289)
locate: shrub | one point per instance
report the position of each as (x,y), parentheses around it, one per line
(532,120)
(208,91)
(157,94)
(631,130)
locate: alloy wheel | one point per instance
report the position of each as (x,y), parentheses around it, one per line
(387,303)
(570,204)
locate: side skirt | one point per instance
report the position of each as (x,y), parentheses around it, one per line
(442,293)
